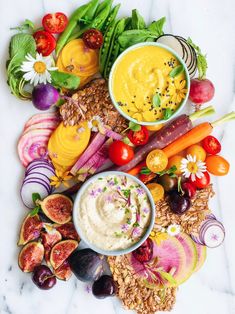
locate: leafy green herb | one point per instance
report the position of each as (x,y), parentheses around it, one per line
(36,197)
(145,170)
(168,277)
(171,171)
(137,21)
(118,234)
(134,126)
(180,190)
(115,180)
(27,25)
(134,36)
(126,140)
(127,211)
(100,178)
(136,224)
(64,80)
(128,221)
(104,189)
(167,113)
(156,27)
(176,71)
(201,60)
(156,101)
(34,211)
(126,193)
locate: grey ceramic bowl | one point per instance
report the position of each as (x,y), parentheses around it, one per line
(76,208)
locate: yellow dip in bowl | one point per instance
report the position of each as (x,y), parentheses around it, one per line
(149,83)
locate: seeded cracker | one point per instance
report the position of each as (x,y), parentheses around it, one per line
(131,291)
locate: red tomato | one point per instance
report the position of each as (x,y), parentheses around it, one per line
(120,153)
(140,137)
(45,42)
(202,182)
(93,38)
(55,23)
(211,145)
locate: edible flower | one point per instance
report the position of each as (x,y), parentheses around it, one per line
(95,124)
(178,90)
(60,178)
(37,69)
(173,230)
(158,237)
(193,168)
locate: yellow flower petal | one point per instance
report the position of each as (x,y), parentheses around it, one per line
(57,185)
(53,183)
(67,178)
(54,178)
(66,184)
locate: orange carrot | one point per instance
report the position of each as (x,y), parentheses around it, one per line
(197,134)
(136,170)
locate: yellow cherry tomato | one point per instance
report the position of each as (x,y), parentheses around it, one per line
(156,190)
(156,160)
(198,151)
(155,127)
(175,161)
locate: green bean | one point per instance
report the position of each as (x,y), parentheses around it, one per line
(114,46)
(77,14)
(105,47)
(111,17)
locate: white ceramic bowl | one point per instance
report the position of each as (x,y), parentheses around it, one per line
(76,208)
(145,44)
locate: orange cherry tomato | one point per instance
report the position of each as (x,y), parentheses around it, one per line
(217,165)
(155,127)
(156,190)
(156,160)
(198,151)
(175,161)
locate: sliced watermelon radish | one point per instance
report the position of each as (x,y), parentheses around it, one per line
(33,144)
(41,118)
(196,239)
(172,42)
(191,255)
(30,187)
(48,124)
(168,256)
(201,251)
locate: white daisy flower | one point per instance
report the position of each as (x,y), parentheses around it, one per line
(95,123)
(37,69)
(173,230)
(191,167)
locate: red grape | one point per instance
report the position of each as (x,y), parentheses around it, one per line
(201,91)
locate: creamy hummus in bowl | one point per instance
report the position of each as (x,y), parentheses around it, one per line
(149,83)
(113,213)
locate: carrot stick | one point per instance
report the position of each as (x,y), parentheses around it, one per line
(136,170)
(195,135)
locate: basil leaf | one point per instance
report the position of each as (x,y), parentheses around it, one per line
(36,197)
(25,26)
(176,71)
(22,44)
(137,21)
(34,211)
(168,277)
(134,126)
(167,113)
(145,170)
(156,27)
(64,80)
(134,36)
(126,140)
(171,171)
(156,101)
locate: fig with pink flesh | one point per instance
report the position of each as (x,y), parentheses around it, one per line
(31,256)
(43,277)
(63,272)
(61,251)
(30,229)
(68,231)
(49,239)
(58,208)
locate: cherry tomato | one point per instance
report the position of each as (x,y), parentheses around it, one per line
(55,22)
(120,153)
(202,182)
(156,190)
(175,161)
(156,160)
(211,145)
(140,137)
(93,38)
(189,189)
(217,165)
(145,178)
(45,42)
(198,151)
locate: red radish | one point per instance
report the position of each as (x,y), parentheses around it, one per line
(201,91)
(144,253)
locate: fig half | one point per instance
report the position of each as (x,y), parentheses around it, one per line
(31,256)
(61,251)
(49,239)
(30,229)
(63,272)
(68,231)
(58,208)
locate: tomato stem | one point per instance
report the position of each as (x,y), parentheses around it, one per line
(227,117)
(202,113)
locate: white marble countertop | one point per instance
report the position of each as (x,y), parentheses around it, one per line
(211,24)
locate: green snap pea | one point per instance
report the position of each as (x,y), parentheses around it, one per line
(111,18)
(102,5)
(77,14)
(91,12)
